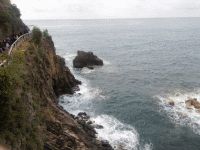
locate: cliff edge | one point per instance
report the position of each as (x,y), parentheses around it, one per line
(30,117)
(30,84)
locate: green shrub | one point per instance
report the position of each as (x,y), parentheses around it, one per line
(36,35)
(10,21)
(46,33)
(10,15)
(5,2)
(4,17)
(16,127)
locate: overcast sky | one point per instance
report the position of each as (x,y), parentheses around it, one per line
(97,9)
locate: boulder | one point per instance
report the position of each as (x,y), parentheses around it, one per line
(106,145)
(97,126)
(83,116)
(86,59)
(192,102)
(171,103)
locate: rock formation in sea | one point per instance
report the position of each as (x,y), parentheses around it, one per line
(86,59)
(30,117)
(192,102)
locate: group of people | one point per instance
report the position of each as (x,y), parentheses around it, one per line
(6,43)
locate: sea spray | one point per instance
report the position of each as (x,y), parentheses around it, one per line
(120,136)
(179,113)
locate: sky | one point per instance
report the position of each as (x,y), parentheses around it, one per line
(106,9)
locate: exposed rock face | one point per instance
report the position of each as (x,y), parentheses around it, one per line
(192,102)
(86,59)
(63,81)
(36,122)
(30,118)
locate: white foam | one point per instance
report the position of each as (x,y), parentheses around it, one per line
(82,99)
(120,136)
(87,71)
(179,113)
(69,59)
(106,62)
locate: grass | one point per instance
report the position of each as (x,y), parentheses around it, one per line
(3,56)
(23,103)
(19,121)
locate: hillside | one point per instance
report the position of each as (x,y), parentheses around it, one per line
(30,84)
(10,22)
(30,117)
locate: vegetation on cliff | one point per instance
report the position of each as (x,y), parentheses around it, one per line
(30,117)
(25,85)
(16,126)
(10,21)
(37,36)
(31,82)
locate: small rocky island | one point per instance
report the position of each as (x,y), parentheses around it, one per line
(86,59)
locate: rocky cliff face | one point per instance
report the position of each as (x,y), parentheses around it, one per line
(30,117)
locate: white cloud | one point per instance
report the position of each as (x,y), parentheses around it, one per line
(86,9)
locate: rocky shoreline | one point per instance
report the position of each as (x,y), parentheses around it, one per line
(31,118)
(38,77)
(83,119)
(61,139)
(67,131)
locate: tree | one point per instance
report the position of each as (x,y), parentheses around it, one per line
(36,35)
(15,11)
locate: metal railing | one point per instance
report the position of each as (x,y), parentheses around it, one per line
(21,39)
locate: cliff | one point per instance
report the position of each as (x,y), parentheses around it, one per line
(30,84)
(30,117)
(10,22)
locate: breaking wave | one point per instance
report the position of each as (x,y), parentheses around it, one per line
(180,113)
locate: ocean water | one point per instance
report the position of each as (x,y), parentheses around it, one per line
(147,63)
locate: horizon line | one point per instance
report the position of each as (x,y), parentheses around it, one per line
(111,18)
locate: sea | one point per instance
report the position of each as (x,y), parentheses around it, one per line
(147,63)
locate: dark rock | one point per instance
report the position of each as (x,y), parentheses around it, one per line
(192,102)
(96,126)
(90,67)
(76,88)
(90,122)
(86,59)
(64,81)
(54,127)
(83,116)
(105,143)
(171,103)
